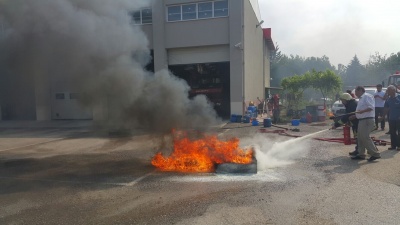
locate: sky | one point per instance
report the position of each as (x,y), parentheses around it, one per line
(339,29)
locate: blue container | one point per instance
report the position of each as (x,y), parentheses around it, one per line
(254,122)
(238,118)
(246,119)
(233,118)
(267,122)
(251,109)
(295,122)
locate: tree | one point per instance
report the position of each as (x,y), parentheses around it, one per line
(355,73)
(327,82)
(295,86)
(285,66)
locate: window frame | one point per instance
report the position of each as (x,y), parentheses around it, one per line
(59,96)
(227,8)
(197,11)
(180,10)
(140,11)
(151,15)
(212,10)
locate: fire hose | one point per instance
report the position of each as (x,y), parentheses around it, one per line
(347,140)
(347,114)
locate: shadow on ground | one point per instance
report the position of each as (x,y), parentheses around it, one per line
(97,170)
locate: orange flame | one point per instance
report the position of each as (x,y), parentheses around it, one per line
(201,155)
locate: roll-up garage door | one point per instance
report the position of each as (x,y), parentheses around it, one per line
(206,54)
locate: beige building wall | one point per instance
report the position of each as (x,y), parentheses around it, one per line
(253,55)
(235,39)
(267,66)
(236,56)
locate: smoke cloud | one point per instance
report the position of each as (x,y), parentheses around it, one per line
(91,47)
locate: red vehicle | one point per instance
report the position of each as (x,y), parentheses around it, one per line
(209,79)
(209,86)
(394,79)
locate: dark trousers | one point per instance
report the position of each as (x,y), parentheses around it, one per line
(275,114)
(379,113)
(394,129)
(355,128)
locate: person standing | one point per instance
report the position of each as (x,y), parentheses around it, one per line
(351,105)
(387,113)
(393,104)
(380,98)
(365,113)
(276,110)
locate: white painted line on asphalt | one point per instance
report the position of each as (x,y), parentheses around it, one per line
(9,149)
(222,125)
(223,132)
(134,182)
(57,181)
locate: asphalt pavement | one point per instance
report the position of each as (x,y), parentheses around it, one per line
(68,172)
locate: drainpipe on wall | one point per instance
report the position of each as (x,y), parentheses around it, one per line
(263,62)
(243,78)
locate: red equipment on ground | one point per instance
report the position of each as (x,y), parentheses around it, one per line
(346,135)
(309,117)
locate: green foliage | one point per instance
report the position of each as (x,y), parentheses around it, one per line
(355,73)
(375,71)
(326,82)
(286,66)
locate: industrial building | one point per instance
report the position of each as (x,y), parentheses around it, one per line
(219,47)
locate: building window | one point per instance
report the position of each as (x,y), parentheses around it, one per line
(189,12)
(221,8)
(174,13)
(147,16)
(136,17)
(74,96)
(203,10)
(60,96)
(143,16)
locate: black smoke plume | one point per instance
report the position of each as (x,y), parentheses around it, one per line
(92,47)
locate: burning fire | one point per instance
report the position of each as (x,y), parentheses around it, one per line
(202,155)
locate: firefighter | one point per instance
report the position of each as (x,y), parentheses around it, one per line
(350,104)
(275,108)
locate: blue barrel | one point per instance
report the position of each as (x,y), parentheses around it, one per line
(238,118)
(295,122)
(254,122)
(267,122)
(246,119)
(233,118)
(251,109)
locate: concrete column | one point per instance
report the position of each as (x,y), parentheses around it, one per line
(160,53)
(236,56)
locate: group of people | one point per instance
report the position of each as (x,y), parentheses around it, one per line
(365,115)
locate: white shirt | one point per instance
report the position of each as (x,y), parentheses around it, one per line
(366,101)
(379,102)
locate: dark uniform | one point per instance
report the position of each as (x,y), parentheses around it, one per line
(350,106)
